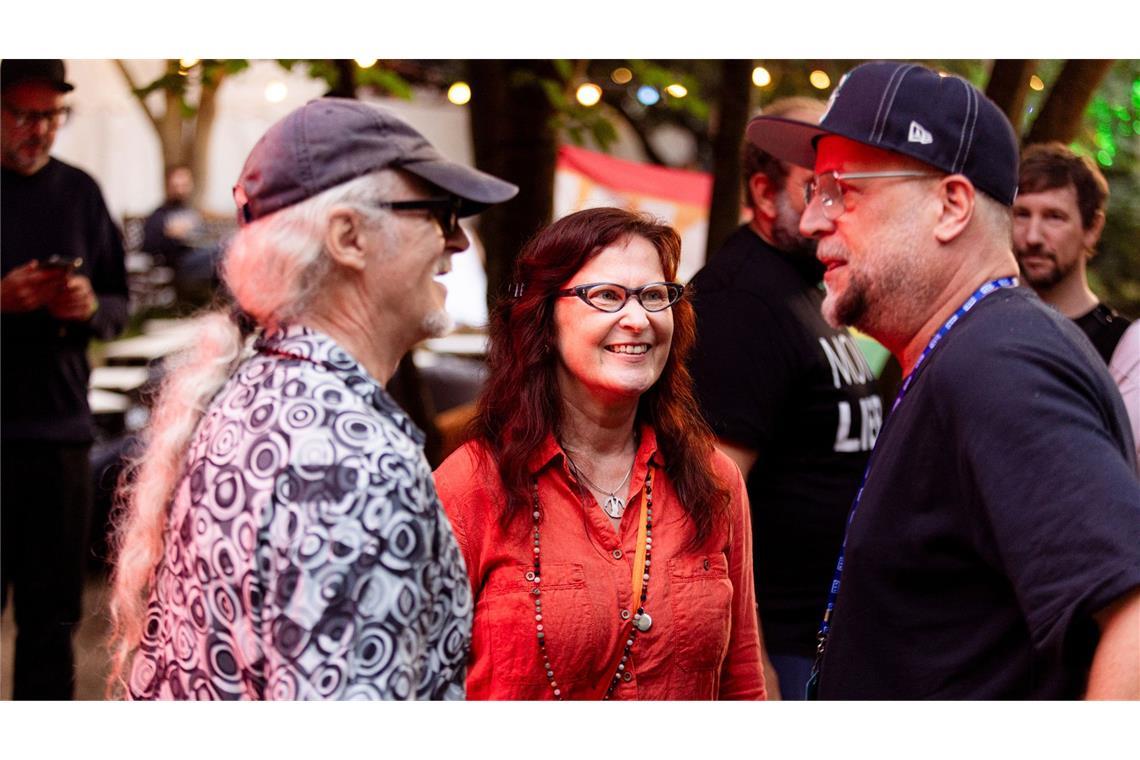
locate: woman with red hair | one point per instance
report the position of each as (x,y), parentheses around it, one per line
(608,543)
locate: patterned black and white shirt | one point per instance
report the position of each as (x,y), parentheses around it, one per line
(306,554)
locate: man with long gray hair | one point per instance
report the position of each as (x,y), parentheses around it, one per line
(281,538)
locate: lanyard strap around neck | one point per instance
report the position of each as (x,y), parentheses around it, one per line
(637,582)
(971,302)
(638,579)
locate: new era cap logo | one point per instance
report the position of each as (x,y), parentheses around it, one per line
(919,134)
(834,94)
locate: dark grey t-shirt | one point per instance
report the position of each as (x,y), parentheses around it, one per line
(1001,512)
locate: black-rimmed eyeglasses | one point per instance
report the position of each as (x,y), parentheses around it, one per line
(56,117)
(831,192)
(611,297)
(444,209)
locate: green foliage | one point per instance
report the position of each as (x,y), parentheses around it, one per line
(324,70)
(1109,137)
(178,80)
(571,118)
(660,76)
(379,77)
(384,80)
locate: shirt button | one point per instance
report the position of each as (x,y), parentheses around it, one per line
(627,676)
(625,614)
(706,564)
(617,553)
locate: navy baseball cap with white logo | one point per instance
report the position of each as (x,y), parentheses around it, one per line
(943,121)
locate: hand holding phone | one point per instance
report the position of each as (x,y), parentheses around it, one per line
(62,263)
(31,285)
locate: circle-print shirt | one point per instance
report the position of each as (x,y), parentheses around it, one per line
(306,553)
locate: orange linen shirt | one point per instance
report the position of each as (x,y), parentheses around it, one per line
(704,641)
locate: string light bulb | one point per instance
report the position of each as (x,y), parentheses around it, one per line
(677,90)
(589,94)
(647,95)
(459,93)
(621,75)
(366,63)
(1036,83)
(820,80)
(276,91)
(761,77)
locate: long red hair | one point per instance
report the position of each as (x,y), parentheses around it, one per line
(520,403)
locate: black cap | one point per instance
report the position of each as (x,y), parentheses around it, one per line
(14,71)
(943,121)
(329,141)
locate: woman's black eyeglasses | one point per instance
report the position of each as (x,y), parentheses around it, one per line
(611,297)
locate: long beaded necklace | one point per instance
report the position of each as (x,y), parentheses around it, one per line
(641,620)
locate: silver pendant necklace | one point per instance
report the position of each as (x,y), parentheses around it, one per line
(614,505)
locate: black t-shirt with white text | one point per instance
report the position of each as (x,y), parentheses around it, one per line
(771,375)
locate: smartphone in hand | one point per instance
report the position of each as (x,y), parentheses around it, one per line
(62,263)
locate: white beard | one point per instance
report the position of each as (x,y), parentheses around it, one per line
(437,324)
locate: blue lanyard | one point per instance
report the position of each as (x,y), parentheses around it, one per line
(971,302)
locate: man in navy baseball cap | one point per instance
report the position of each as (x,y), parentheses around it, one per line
(994,549)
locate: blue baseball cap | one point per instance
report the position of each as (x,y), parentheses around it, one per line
(943,121)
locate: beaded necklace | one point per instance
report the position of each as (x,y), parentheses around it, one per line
(641,620)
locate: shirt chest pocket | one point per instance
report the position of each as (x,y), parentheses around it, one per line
(701,600)
(506,630)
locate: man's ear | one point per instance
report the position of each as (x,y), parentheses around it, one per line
(345,238)
(956,197)
(763,194)
(1092,234)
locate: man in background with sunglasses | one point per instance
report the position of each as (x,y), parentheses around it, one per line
(798,412)
(994,548)
(64,282)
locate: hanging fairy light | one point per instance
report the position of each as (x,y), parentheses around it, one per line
(819,79)
(589,94)
(459,93)
(647,95)
(276,91)
(366,63)
(621,75)
(677,90)
(1036,84)
(761,77)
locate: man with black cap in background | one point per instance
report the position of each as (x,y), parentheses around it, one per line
(994,548)
(64,282)
(283,538)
